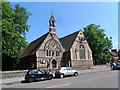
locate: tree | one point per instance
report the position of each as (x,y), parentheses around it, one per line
(99,43)
(14,29)
(21,15)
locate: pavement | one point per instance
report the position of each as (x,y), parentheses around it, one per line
(19,79)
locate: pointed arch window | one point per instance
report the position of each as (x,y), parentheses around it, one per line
(48,52)
(82,52)
(52,53)
(76,53)
(88,55)
(57,52)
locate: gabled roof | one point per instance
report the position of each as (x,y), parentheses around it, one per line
(68,40)
(33,46)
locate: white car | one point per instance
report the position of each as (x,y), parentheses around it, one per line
(65,71)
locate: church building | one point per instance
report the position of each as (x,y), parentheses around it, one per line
(77,51)
(49,51)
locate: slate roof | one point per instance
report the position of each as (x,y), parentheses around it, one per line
(33,46)
(68,40)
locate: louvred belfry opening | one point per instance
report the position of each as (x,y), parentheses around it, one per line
(52,28)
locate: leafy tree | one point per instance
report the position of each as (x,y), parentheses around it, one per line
(14,27)
(99,43)
(21,15)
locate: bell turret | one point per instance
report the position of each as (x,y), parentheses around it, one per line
(52,28)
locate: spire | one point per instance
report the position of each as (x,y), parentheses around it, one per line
(52,28)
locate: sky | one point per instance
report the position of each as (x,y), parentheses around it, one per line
(71,17)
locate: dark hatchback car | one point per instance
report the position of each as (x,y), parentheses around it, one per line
(115,65)
(37,74)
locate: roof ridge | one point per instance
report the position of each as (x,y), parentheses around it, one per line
(39,37)
(29,49)
(69,35)
(68,40)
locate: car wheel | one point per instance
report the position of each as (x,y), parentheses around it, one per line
(75,74)
(30,80)
(61,75)
(50,77)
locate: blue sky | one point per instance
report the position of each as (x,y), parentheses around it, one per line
(71,16)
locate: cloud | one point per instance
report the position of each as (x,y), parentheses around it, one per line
(116,43)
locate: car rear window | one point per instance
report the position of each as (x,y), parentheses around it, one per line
(63,69)
(69,68)
(118,63)
(33,71)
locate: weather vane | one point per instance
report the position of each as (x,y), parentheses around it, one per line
(52,12)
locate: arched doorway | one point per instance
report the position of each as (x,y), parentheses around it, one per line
(54,63)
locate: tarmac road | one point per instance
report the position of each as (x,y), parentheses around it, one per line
(97,78)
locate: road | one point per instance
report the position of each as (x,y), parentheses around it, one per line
(102,79)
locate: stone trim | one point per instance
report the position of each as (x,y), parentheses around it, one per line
(50,57)
(51,40)
(80,60)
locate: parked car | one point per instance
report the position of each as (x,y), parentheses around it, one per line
(65,71)
(115,65)
(37,74)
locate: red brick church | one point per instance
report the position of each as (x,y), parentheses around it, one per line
(51,51)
